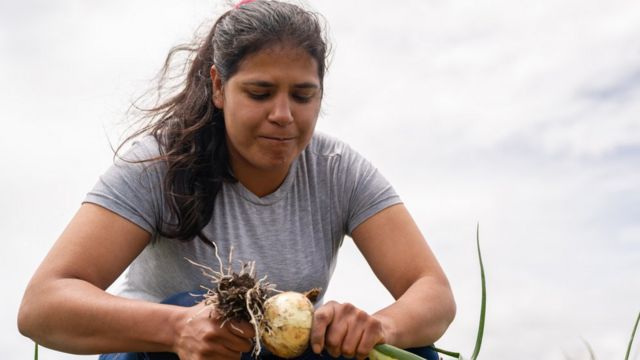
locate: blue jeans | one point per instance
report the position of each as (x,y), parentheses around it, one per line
(187,299)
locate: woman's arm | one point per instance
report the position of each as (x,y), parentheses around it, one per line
(66,308)
(400,257)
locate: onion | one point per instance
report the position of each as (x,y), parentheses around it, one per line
(287,324)
(286,328)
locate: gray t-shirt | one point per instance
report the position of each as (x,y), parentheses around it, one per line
(293,234)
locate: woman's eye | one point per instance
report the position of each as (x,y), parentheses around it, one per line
(258,95)
(303,97)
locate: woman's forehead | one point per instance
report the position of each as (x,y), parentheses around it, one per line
(279,61)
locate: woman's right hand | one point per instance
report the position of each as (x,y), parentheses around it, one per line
(201,335)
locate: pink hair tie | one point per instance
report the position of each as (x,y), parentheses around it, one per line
(243,2)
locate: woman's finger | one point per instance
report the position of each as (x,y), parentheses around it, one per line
(334,337)
(344,322)
(372,335)
(242,329)
(352,339)
(322,317)
(233,336)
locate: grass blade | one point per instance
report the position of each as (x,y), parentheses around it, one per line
(633,334)
(446,352)
(483,305)
(592,355)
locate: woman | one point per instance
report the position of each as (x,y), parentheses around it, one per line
(232,160)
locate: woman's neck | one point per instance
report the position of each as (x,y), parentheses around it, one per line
(260,183)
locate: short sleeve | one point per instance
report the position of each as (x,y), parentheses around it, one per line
(132,188)
(366,191)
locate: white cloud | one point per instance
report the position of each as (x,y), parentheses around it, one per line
(483,75)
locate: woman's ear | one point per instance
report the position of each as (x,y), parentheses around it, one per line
(217,88)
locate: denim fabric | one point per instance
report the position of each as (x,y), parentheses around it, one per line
(190,299)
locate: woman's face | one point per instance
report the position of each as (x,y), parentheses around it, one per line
(270,106)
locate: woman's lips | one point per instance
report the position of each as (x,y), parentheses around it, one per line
(278,138)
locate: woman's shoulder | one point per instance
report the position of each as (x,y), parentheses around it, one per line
(328,151)
(323,144)
(142,148)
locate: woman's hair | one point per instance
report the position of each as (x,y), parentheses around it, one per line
(190,130)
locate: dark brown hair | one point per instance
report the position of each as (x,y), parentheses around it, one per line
(190,130)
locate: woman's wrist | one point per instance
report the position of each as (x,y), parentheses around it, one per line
(389,328)
(179,318)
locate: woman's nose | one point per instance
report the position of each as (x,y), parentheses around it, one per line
(281,112)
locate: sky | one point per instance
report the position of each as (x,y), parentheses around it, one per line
(523,118)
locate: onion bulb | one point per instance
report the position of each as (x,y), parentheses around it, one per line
(286,324)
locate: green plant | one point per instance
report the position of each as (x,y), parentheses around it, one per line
(592,355)
(633,334)
(483,309)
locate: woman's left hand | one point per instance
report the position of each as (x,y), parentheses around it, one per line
(345,330)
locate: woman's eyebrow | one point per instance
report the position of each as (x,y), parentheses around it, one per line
(259,83)
(262,83)
(307,85)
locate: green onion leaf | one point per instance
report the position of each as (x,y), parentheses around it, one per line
(446,352)
(483,306)
(633,334)
(392,352)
